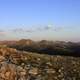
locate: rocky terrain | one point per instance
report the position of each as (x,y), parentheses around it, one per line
(21,65)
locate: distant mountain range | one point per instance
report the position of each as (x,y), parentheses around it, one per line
(44,46)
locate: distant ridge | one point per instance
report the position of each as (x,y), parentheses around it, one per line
(45,47)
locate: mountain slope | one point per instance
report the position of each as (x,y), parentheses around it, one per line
(20,65)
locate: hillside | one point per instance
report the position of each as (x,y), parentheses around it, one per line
(47,47)
(21,65)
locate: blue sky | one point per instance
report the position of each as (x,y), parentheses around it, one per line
(40,19)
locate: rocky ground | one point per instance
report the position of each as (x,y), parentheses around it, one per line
(20,65)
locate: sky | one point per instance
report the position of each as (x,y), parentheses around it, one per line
(40,19)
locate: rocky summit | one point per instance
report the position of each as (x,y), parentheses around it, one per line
(21,65)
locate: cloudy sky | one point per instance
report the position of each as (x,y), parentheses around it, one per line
(40,19)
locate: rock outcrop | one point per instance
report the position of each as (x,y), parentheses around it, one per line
(20,65)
